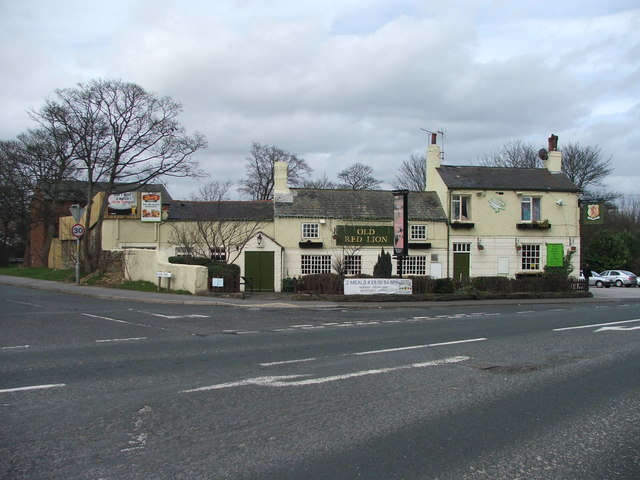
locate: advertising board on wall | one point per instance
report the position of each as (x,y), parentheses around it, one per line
(374,286)
(123,203)
(151,207)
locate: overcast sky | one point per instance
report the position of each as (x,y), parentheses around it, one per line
(345,81)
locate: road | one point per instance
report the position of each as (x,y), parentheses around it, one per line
(99,389)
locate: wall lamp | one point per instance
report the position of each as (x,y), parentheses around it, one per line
(259,239)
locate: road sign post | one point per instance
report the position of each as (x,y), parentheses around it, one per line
(77,231)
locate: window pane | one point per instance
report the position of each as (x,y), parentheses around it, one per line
(526,209)
(536,209)
(418,232)
(310,230)
(530,257)
(315,264)
(414,265)
(353,264)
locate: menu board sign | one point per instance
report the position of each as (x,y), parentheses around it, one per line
(151,207)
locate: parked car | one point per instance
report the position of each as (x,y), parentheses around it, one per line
(621,277)
(597,280)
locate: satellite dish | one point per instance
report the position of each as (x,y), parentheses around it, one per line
(543,154)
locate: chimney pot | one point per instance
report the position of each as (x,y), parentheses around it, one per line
(434,136)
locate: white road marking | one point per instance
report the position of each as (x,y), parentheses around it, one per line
(290,380)
(415,347)
(286,362)
(119,321)
(26,303)
(372,352)
(133,339)
(623,329)
(16,347)
(596,325)
(33,387)
(171,317)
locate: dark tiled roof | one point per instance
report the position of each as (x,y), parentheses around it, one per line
(250,211)
(358,204)
(504,178)
(76,190)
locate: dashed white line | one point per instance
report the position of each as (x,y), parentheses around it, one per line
(25,303)
(15,347)
(286,362)
(33,387)
(133,339)
(116,320)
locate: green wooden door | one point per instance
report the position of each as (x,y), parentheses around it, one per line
(461,263)
(260,266)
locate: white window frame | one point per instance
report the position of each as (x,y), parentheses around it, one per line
(417,232)
(310,230)
(462,247)
(414,265)
(353,264)
(530,257)
(218,254)
(310,264)
(460,204)
(534,208)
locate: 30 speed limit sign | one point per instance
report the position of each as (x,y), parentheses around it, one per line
(77,230)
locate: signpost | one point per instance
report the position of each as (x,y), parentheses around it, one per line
(77,231)
(162,275)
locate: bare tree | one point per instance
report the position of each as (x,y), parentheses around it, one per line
(358,177)
(120,134)
(47,161)
(259,182)
(585,165)
(15,193)
(213,191)
(321,183)
(223,240)
(412,174)
(515,153)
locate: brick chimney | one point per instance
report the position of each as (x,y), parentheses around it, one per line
(553,163)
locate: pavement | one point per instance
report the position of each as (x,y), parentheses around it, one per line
(285,300)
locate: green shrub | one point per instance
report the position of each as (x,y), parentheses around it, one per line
(216,269)
(383,267)
(187,260)
(490,284)
(444,285)
(423,284)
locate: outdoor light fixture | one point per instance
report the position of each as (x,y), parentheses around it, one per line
(259,238)
(480,246)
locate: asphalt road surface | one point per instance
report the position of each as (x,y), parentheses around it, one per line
(99,389)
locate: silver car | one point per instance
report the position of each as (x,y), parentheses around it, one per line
(597,280)
(621,278)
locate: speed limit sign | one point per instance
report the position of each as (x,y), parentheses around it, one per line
(77,230)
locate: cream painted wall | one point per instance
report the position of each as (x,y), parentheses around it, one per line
(143,265)
(289,234)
